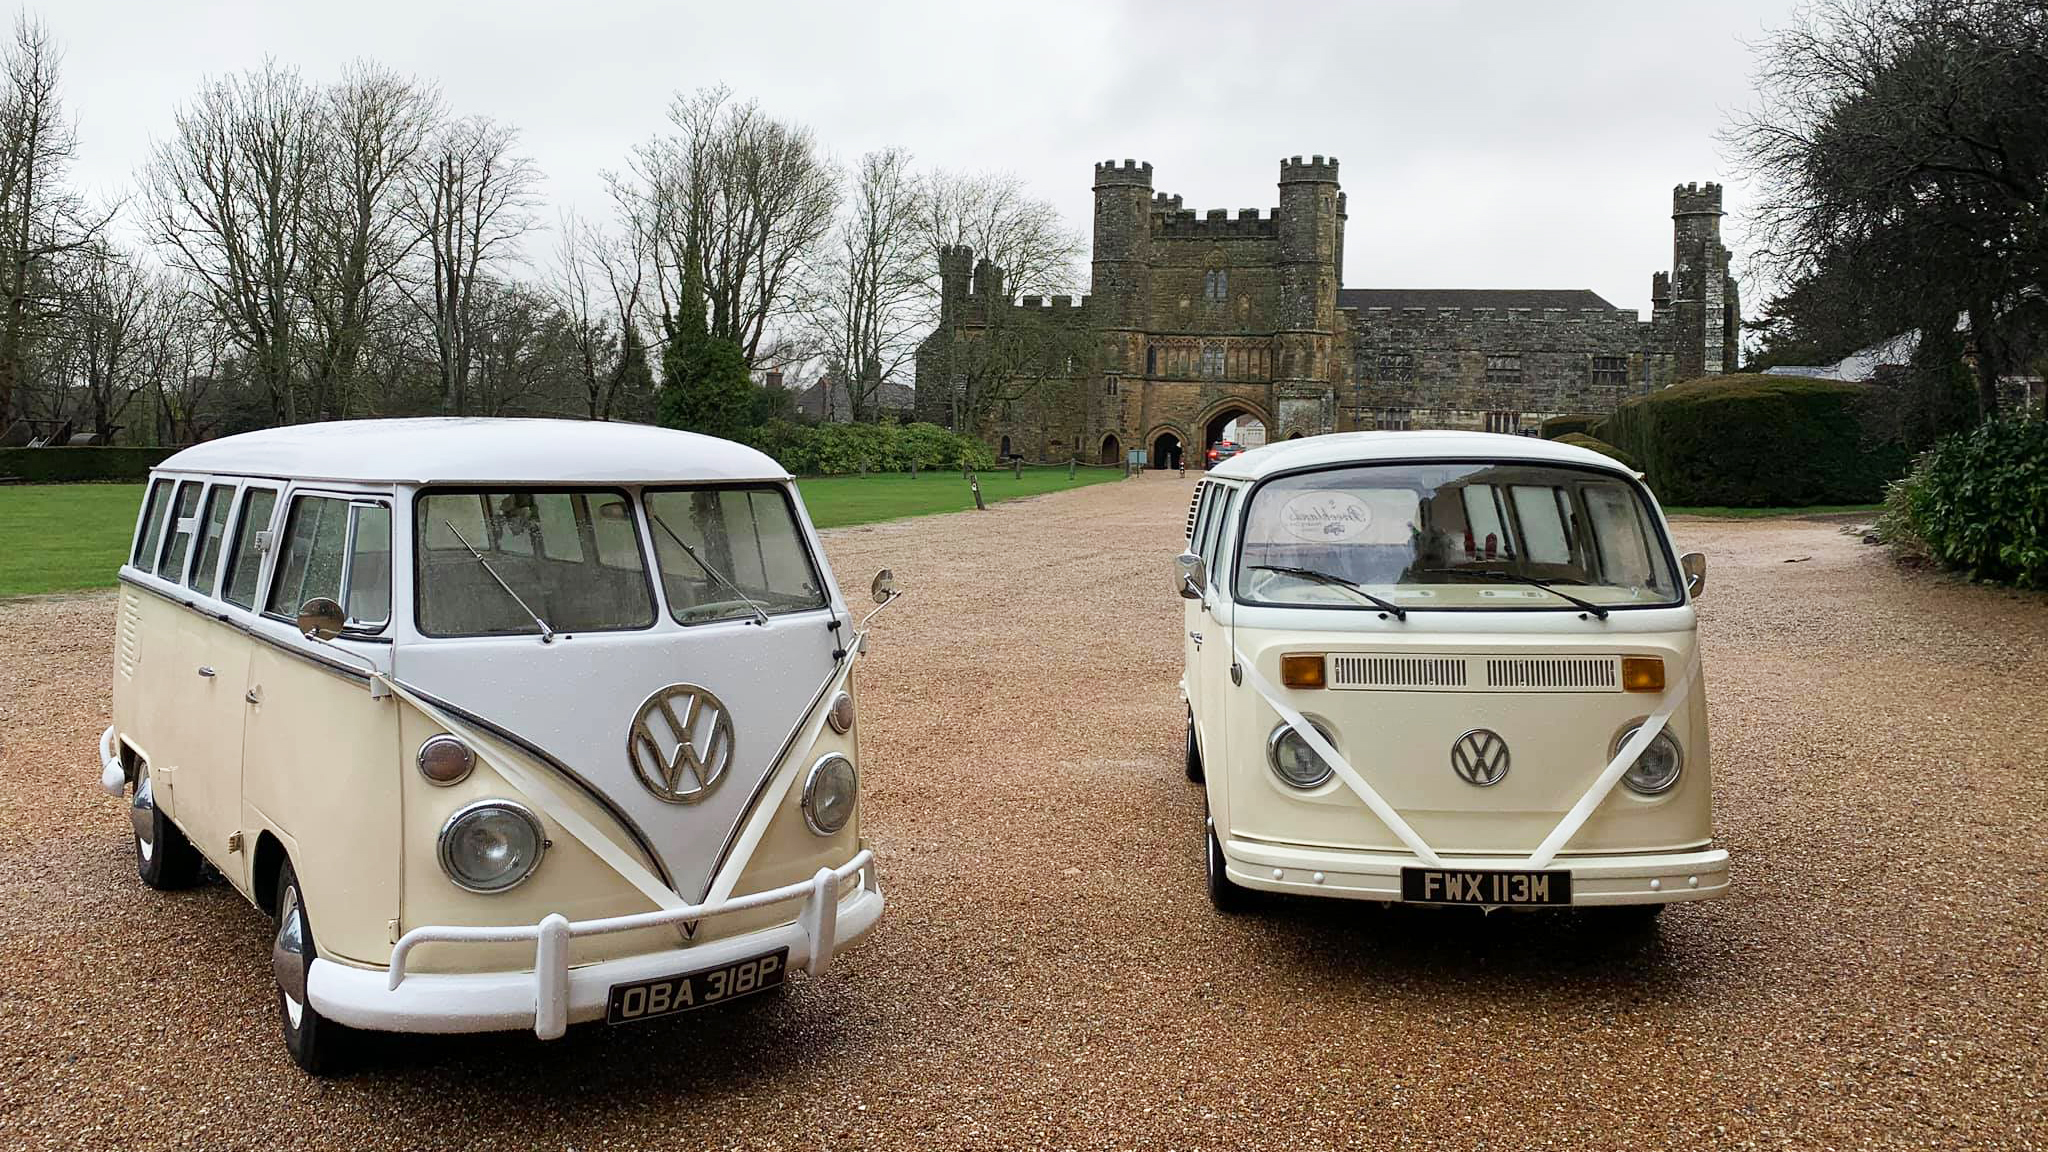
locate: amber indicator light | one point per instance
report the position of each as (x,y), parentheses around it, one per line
(1642,673)
(1305,670)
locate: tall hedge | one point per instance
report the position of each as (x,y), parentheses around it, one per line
(837,449)
(1558,427)
(64,465)
(1762,441)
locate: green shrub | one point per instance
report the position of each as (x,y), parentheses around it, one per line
(1761,441)
(840,449)
(65,465)
(1978,501)
(1558,427)
(1579,440)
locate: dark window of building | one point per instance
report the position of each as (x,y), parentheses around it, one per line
(1212,361)
(1504,368)
(1507,423)
(1393,419)
(1109,386)
(1397,366)
(1610,371)
(1151,360)
(1216,286)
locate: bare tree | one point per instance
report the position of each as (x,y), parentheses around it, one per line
(994,214)
(869,301)
(373,127)
(41,220)
(226,198)
(597,283)
(745,197)
(112,314)
(472,199)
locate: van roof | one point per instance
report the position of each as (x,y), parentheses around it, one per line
(472,449)
(1372,447)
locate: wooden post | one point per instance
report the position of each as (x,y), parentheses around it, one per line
(1071,461)
(1016,468)
(913,469)
(974,484)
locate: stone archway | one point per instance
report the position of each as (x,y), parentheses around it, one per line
(1112,450)
(1167,449)
(1294,435)
(1220,419)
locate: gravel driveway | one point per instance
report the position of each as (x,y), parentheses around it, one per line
(1049,972)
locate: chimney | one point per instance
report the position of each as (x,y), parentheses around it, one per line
(775,378)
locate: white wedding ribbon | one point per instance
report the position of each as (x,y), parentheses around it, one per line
(1561,835)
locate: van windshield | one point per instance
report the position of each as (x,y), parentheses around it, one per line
(728,553)
(574,557)
(1469,535)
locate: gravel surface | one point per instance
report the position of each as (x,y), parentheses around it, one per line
(1049,972)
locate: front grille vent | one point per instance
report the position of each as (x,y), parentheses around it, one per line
(1554,674)
(1416,672)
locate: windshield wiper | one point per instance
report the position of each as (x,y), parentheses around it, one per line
(1518,578)
(760,617)
(547,634)
(1335,581)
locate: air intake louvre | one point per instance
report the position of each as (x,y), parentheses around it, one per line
(131,633)
(1422,672)
(1554,673)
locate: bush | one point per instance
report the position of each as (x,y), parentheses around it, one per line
(1761,441)
(838,449)
(1978,501)
(1558,427)
(65,465)
(1601,446)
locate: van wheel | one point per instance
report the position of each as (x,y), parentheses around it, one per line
(1229,899)
(314,1042)
(1194,751)
(163,857)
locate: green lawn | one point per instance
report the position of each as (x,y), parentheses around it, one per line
(1760,513)
(66,537)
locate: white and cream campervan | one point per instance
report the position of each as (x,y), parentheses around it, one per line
(1445,668)
(508,723)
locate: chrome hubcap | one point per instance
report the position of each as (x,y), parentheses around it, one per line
(288,954)
(142,814)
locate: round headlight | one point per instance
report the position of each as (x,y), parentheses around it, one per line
(829,794)
(491,845)
(1657,769)
(1293,760)
(445,760)
(841,715)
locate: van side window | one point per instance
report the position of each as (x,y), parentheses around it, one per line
(245,563)
(1203,515)
(213,525)
(1215,554)
(182,526)
(368,578)
(152,531)
(339,549)
(1545,536)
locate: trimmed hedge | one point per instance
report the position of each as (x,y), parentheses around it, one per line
(1978,501)
(1579,440)
(1558,427)
(839,449)
(1761,441)
(65,465)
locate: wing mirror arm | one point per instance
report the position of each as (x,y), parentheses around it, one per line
(885,592)
(322,618)
(1694,565)
(1191,578)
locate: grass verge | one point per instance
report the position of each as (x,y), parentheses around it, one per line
(1719,513)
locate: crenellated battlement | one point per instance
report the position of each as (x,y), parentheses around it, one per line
(1161,202)
(1130,173)
(1696,200)
(1216,224)
(1315,170)
(1482,313)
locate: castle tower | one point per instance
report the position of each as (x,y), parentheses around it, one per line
(1121,288)
(955,266)
(1699,282)
(1309,228)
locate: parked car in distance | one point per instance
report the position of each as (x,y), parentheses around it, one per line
(1445,668)
(1223,450)
(507,723)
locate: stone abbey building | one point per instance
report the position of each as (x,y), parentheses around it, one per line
(1196,319)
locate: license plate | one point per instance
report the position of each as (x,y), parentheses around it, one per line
(1455,886)
(668,995)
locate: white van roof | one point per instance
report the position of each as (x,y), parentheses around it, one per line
(1374,447)
(465,450)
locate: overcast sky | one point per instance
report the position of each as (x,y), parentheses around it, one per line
(1482,144)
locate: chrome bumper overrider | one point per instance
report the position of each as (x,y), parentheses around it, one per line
(554,995)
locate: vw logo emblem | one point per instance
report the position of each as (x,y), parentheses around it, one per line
(1480,757)
(681,743)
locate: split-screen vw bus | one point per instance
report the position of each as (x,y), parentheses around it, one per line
(508,723)
(1445,668)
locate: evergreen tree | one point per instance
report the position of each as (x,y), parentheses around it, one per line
(704,382)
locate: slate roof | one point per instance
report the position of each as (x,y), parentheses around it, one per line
(1538,298)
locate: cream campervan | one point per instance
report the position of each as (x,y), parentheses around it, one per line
(1445,668)
(508,723)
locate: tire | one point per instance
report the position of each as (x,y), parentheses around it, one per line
(1194,751)
(164,859)
(315,1043)
(1229,899)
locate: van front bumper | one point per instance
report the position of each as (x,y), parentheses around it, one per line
(554,995)
(1648,878)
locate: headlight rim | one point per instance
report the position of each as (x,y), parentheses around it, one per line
(442,738)
(1664,736)
(811,778)
(1281,731)
(443,842)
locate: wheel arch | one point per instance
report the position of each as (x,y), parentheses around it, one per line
(265,864)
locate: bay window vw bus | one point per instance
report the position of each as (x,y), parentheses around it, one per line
(507,723)
(1445,668)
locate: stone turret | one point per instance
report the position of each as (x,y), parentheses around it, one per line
(1310,226)
(1699,281)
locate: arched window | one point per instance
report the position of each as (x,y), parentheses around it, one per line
(1216,286)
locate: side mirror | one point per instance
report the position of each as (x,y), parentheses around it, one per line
(884,587)
(1190,578)
(1695,566)
(321,619)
